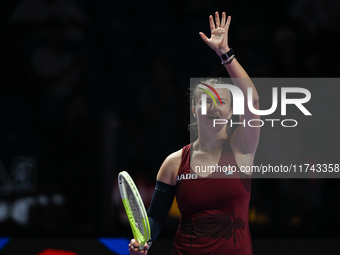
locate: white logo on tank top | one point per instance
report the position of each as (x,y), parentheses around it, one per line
(186,177)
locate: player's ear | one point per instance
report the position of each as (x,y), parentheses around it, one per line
(230,114)
(193,111)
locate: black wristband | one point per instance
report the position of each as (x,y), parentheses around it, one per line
(228,61)
(227,55)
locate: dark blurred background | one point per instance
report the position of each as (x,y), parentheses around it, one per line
(92,88)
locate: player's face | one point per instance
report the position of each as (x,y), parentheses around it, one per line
(214,111)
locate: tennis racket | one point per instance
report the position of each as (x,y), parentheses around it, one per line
(134,209)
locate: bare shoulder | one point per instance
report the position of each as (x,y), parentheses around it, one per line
(169,169)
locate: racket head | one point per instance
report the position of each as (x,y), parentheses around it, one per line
(134,208)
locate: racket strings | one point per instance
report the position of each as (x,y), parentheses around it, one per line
(135,210)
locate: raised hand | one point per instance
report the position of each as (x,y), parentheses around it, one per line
(219,34)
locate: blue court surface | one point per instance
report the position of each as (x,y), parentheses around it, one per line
(119,246)
(64,246)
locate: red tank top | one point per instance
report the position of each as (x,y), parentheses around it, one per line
(214,211)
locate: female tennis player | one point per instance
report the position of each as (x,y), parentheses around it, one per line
(214,211)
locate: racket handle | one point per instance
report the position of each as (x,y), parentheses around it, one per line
(141,247)
(149,243)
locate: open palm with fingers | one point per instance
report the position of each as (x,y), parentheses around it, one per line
(219,33)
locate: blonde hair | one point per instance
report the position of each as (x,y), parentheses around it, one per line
(193,88)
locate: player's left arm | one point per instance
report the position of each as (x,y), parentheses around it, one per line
(247,137)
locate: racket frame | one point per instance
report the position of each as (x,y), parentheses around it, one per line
(125,179)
